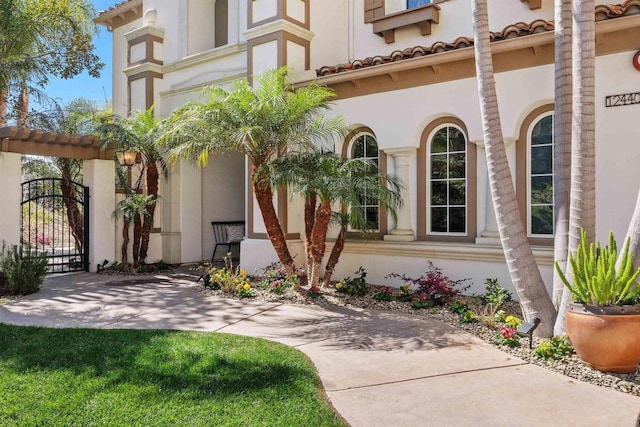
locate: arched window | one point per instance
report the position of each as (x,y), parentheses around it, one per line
(534,175)
(365,146)
(447,165)
(540,176)
(447,183)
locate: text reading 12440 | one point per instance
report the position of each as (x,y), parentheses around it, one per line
(624,99)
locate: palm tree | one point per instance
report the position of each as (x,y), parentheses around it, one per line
(39,38)
(524,272)
(633,234)
(562,142)
(325,180)
(261,122)
(132,210)
(140,133)
(582,215)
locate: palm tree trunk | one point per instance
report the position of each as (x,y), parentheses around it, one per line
(562,142)
(633,234)
(74,216)
(124,251)
(264,197)
(23,106)
(319,237)
(151,185)
(524,272)
(309,219)
(3,105)
(336,251)
(137,234)
(582,214)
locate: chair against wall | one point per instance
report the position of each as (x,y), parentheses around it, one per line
(227,233)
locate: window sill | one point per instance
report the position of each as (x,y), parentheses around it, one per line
(422,16)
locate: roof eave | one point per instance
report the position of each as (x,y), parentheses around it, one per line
(120,14)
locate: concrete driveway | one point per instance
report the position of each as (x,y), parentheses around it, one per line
(378,368)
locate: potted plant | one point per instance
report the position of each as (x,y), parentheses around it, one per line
(603,322)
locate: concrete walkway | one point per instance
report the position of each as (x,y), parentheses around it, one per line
(378,368)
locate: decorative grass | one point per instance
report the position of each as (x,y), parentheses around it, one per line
(86,377)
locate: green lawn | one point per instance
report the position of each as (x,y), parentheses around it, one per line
(82,377)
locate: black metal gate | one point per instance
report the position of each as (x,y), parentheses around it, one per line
(55,221)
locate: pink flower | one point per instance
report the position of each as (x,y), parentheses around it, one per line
(507,332)
(314,290)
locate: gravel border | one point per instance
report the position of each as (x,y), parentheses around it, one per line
(570,366)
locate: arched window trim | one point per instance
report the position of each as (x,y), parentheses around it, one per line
(382,167)
(522,171)
(423,186)
(529,174)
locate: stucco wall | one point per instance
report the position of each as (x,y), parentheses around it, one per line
(399,117)
(222,196)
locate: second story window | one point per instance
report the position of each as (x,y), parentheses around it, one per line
(415,3)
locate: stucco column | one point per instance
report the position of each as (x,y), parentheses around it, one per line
(190,213)
(10,177)
(488,235)
(401,162)
(99,176)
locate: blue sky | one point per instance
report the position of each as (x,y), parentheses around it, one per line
(83,85)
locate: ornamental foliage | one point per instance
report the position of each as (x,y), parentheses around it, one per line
(597,279)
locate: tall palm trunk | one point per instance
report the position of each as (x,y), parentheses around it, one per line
(633,234)
(526,278)
(318,239)
(3,105)
(137,233)
(74,216)
(23,106)
(336,251)
(264,197)
(309,219)
(562,142)
(124,250)
(151,179)
(582,214)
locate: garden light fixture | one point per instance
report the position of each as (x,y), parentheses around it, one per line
(527,328)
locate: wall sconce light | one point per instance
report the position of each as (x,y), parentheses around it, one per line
(126,158)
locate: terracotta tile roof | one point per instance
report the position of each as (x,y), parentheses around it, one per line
(115,6)
(520,29)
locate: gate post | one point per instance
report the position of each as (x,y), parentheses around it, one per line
(10,179)
(99,176)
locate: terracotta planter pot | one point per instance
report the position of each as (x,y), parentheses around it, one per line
(606,338)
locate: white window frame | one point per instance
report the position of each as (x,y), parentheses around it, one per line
(350,156)
(428,183)
(534,122)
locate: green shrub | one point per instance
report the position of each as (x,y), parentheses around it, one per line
(276,280)
(554,349)
(432,285)
(356,286)
(468,317)
(596,279)
(146,269)
(457,306)
(405,293)
(384,293)
(24,269)
(495,294)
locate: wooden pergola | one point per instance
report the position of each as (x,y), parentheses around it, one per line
(37,142)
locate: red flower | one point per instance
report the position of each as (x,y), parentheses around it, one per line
(507,332)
